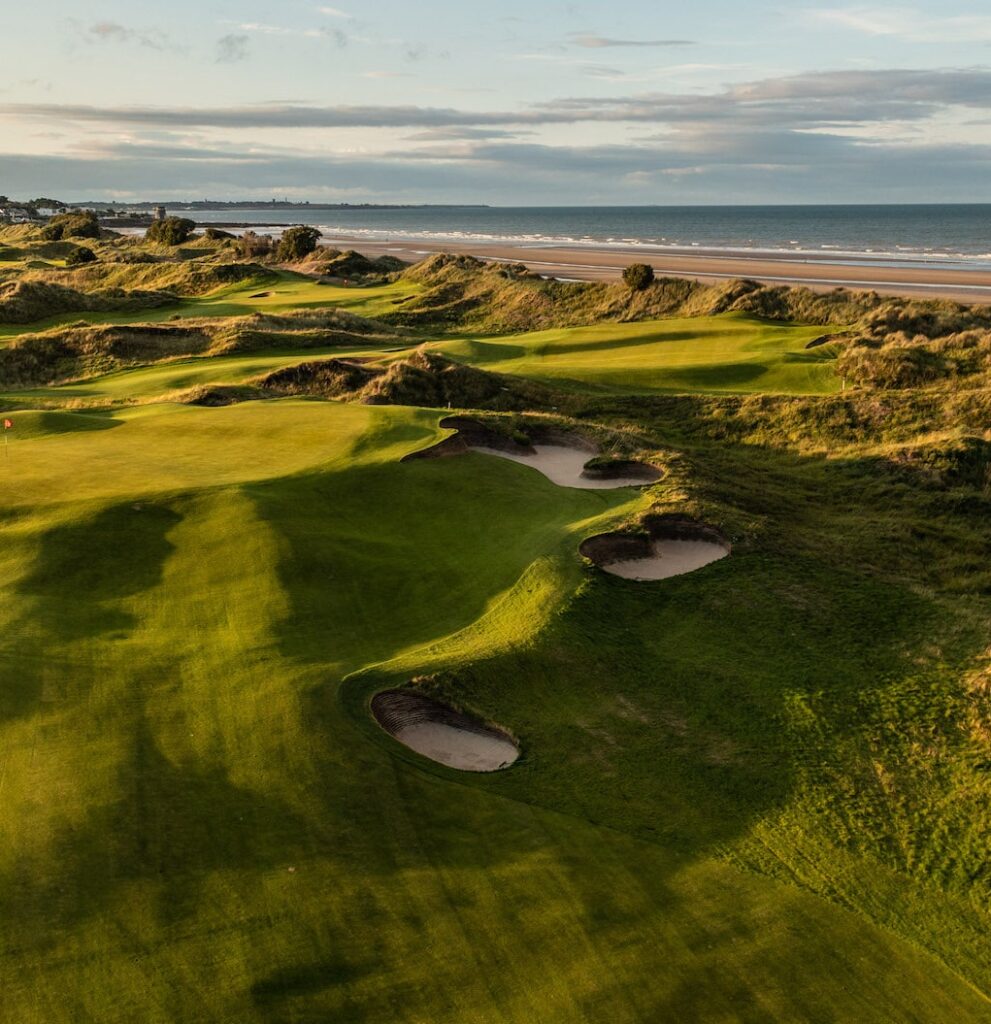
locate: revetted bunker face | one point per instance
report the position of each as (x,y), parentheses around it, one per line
(668,546)
(444,735)
(562,457)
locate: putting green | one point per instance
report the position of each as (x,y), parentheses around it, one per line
(733,352)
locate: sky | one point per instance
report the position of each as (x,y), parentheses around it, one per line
(507,103)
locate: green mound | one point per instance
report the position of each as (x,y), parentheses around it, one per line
(25,301)
(333,263)
(729,353)
(82,350)
(33,424)
(428,379)
(184,279)
(328,378)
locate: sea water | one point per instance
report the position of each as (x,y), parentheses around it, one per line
(952,235)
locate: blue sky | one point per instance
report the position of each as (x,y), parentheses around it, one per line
(509,103)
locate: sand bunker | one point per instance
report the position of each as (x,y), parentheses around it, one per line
(668,558)
(565,466)
(670,546)
(562,458)
(441,733)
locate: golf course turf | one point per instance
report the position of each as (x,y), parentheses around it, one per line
(756,792)
(729,353)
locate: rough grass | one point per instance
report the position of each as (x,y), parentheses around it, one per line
(84,351)
(463,293)
(758,792)
(290,292)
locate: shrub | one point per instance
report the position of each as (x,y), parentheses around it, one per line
(296,243)
(82,224)
(171,230)
(638,276)
(79,256)
(217,235)
(253,245)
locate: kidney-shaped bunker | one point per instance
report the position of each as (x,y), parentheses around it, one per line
(669,546)
(567,460)
(439,732)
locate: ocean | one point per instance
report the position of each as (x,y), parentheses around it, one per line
(955,236)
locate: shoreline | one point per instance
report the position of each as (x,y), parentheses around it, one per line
(886,274)
(588,263)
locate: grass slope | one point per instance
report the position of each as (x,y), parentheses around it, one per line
(162,379)
(200,823)
(733,352)
(288,292)
(758,792)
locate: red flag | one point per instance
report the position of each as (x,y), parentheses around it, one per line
(7,424)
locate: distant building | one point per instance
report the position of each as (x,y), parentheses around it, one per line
(160,213)
(48,211)
(14,215)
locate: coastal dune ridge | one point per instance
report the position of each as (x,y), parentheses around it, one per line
(923,251)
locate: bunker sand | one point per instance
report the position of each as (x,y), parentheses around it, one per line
(442,734)
(668,558)
(668,545)
(565,467)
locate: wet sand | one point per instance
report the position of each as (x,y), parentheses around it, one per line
(589,263)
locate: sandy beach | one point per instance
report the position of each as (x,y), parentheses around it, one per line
(591,263)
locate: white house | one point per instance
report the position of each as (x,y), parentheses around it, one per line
(13,215)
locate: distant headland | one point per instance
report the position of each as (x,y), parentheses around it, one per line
(273,204)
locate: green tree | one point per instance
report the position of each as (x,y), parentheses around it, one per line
(80,224)
(80,255)
(296,243)
(171,230)
(638,276)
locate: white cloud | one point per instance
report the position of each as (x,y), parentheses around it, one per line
(333,34)
(842,133)
(590,41)
(333,12)
(114,32)
(815,99)
(909,24)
